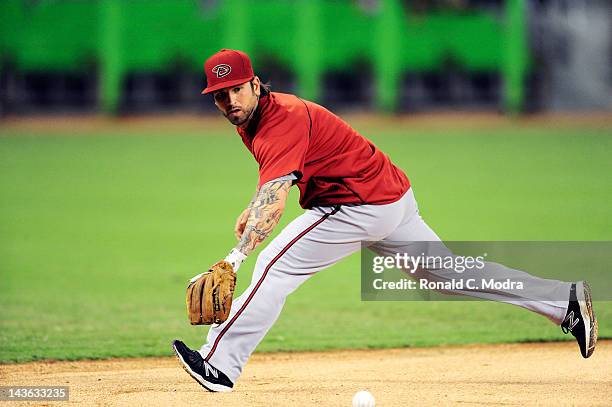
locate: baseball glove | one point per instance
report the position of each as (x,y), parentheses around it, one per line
(210,294)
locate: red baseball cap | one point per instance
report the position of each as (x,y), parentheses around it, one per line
(227,68)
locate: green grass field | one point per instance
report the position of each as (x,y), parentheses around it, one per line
(99,234)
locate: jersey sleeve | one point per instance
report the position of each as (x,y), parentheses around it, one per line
(280,147)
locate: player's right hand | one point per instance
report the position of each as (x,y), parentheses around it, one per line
(241,223)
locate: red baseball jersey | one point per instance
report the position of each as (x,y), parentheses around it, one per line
(333,163)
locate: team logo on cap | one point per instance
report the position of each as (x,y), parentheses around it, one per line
(222,70)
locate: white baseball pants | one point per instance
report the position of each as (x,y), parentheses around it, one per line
(321,237)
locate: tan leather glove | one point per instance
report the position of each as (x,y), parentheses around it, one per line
(210,294)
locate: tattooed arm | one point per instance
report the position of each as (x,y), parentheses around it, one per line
(253,199)
(244,217)
(265,211)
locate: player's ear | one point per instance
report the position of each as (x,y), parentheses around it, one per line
(256,86)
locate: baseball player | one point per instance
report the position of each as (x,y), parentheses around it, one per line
(351,193)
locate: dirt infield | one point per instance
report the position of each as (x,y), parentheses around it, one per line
(520,374)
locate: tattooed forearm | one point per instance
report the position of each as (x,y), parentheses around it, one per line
(266,210)
(253,199)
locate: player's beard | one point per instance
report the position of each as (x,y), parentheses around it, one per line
(238,116)
(241,116)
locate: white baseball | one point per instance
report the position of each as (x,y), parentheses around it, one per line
(363,399)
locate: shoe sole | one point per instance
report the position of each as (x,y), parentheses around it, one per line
(588,316)
(212,387)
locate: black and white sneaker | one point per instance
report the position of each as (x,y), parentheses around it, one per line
(580,319)
(203,372)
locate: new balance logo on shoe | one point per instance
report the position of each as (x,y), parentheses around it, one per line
(209,369)
(572,321)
